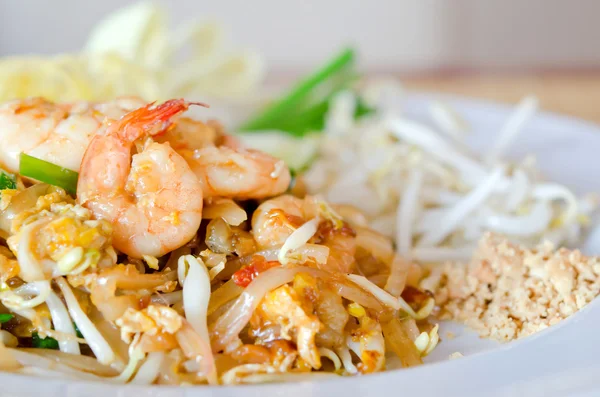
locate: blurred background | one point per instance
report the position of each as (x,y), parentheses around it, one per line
(499,50)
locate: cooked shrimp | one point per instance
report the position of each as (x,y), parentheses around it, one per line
(223,166)
(276,219)
(58,133)
(154,200)
(238,173)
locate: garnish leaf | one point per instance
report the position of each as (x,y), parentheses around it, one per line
(7,181)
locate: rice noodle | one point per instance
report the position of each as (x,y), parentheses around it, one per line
(350,290)
(8,339)
(62,322)
(94,339)
(398,341)
(149,370)
(8,362)
(196,295)
(375,243)
(398,275)
(225,293)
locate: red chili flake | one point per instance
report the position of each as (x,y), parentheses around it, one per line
(257,265)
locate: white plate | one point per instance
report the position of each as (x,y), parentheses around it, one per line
(562,360)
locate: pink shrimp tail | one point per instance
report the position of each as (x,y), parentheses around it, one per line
(151,120)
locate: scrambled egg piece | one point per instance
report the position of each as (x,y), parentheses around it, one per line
(66,235)
(291,312)
(509,291)
(151,321)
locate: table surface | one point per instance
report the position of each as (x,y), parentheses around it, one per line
(574,94)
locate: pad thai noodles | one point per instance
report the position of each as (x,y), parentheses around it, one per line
(140,246)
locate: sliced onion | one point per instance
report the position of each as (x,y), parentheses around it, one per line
(227,209)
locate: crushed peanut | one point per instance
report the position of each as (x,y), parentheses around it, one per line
(508,291)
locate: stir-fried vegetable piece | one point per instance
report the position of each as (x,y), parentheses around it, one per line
(7,181)
(303,109)
(47,172)
(43,343)
(5,317)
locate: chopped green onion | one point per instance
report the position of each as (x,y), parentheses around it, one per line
(77,331)
(47,172)
(313,119)
(5,317)
(299,95)
(7,181)
(43,343)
